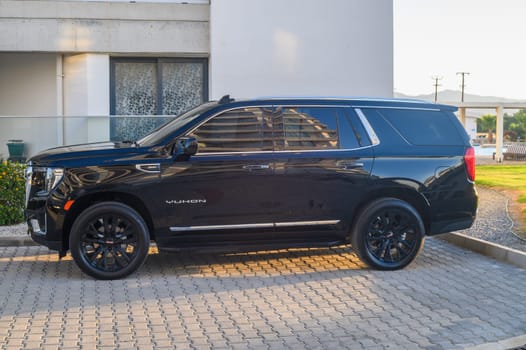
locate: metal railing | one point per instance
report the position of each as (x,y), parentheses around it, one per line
(42,132)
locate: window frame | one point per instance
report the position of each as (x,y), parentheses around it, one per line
(158,61)
(274,106)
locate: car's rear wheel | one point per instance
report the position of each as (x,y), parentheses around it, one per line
(109,240)
(388,234)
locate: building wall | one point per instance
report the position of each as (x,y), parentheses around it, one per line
(471,127)
(27,88)
(59,54)
(48,39)
(23,73)
(301,47)
(117,27)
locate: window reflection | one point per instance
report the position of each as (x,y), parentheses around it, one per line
(241,130)
(306,129)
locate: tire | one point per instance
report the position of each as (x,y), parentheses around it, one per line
(388,234)
(109,240)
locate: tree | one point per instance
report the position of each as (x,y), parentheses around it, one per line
(487,123)
(519,123)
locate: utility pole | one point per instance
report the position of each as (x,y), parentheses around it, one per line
(436,78)
(462,85)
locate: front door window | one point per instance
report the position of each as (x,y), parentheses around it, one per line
(240,130)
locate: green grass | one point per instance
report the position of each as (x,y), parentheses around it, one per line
(509,177)
(512,177)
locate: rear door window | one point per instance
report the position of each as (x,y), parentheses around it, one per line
(306,128)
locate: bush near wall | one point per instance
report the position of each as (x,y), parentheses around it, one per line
(12,193)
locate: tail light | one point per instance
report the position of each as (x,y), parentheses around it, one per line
(469,159)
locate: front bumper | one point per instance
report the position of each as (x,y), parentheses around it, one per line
(42,240)
(42,231)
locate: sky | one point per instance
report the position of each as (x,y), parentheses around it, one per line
(486,38)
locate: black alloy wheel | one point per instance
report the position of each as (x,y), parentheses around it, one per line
(109,240)
(388,234)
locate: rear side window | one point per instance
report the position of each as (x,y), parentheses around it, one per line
(424,128)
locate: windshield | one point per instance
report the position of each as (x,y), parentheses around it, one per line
(165,130)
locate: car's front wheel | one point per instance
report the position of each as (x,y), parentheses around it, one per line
(388,234)
(109,240)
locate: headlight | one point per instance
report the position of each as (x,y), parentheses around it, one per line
(53,177)
(29,175)
(40,181)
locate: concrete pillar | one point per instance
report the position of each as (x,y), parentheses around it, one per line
(60,100)
(500,134)
(86,93)
(462,115)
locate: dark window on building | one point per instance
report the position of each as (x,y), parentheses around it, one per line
(240,130)
(419,127)
(306,128)
(153,86)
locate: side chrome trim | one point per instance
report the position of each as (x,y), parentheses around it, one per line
(219,227)
(372,135)
(259,225)
(306,223)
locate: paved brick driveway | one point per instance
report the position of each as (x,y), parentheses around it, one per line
(449,298)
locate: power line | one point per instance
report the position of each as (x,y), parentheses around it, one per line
(462,85)
(436,78)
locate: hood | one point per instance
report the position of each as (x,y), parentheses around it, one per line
(89,154)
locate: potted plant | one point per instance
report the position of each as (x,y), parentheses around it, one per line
(16,150)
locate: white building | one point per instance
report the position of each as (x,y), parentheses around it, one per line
(74,64)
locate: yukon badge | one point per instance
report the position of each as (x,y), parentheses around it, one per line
(185,201)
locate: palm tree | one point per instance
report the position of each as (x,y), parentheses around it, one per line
(487,123)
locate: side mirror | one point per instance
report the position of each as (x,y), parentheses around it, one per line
(185,147)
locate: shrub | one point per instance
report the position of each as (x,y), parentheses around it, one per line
(12,193)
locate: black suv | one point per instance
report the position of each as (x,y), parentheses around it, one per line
(259,174)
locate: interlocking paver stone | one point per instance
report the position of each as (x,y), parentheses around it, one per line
(448,298)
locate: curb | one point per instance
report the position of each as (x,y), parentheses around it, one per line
(506,344)
(16,241)
(490,249)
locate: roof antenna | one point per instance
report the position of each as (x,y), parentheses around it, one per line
(225,99)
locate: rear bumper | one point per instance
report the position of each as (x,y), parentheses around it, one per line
(455,214)
(456,224)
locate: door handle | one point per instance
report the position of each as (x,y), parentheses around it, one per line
(251,167)
(350,165)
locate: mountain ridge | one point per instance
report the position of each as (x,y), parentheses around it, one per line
(449,96)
